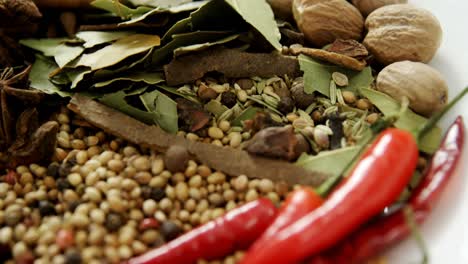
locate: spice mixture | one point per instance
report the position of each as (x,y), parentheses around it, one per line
(181,111)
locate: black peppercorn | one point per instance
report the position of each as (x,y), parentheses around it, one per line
(157,194)
(170,230)
(228,99)
(73,257)
(286,105)
(53,169)
(46,208)
(114,221)
(63,184)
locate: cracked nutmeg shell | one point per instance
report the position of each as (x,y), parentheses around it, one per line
(424,86)
(367,6)
(402,32)
(324,21)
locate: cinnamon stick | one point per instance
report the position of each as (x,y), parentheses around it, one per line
(230,161)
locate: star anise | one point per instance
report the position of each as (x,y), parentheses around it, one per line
(22,139)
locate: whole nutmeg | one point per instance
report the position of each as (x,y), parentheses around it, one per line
(324,21)
(402,32)
(424,86)
(281,8)
(367,6)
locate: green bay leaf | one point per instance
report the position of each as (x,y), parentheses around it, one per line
(159,3)
(259,15)
(119,50)
(165,53)
(332,162)
(94,38)
(65,54)
(141,76)
(120,9)
(46,46)
(39,76)
(163,108)
(117,101)
(317,76)
(408,120)
(202,46)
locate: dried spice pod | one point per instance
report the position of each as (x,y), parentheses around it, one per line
(367,6)
(324,21)
(402,32)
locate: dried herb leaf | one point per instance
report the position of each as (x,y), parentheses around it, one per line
(65,54)
(408,120)
(181,26)
(159,3)
(117,101)
(317,76)
(119,50)
(120,9)
(46,46)
(247,114)
(165,53)
(216,108)
(94,38)
(146,77)
(163,108)
(39,76)
(203,46)
(332,162)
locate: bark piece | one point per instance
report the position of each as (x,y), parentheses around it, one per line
(351,48)
(332,57)
(230,62)
(230,161)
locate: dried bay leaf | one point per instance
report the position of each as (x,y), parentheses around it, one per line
(181,26)
(120,9)
(408,120)
(39,76)
(332,162)
(117,101)
(94,38)
(159,3)
(119,50)
(163,108)
(146,77)
(46,46)
(165,53)
(317,76)
(65,54)
(203,46)
(172,90)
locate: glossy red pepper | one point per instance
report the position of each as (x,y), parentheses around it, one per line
(383,233)
(298,203)
(377,180)
(237,229)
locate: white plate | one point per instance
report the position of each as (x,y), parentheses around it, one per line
(446,230)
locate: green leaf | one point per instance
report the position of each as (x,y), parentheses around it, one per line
(332,162)
(159,3)
(117,101)
(247,114)
(163,108)
(146,77)
(317,76)
(181,26)
(180,40)
(259,15)
(216,108)
(408,120)
(94,38)
(39,76)
(77,75)
(54,47)
(120,9)
(119,50)
(65,54)
(174,91)
(46,46)
(203,46)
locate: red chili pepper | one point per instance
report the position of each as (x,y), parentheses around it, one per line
(377,236)
(380,176)
(298,203)
(237,229)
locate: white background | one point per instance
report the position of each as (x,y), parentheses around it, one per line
(446,230)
